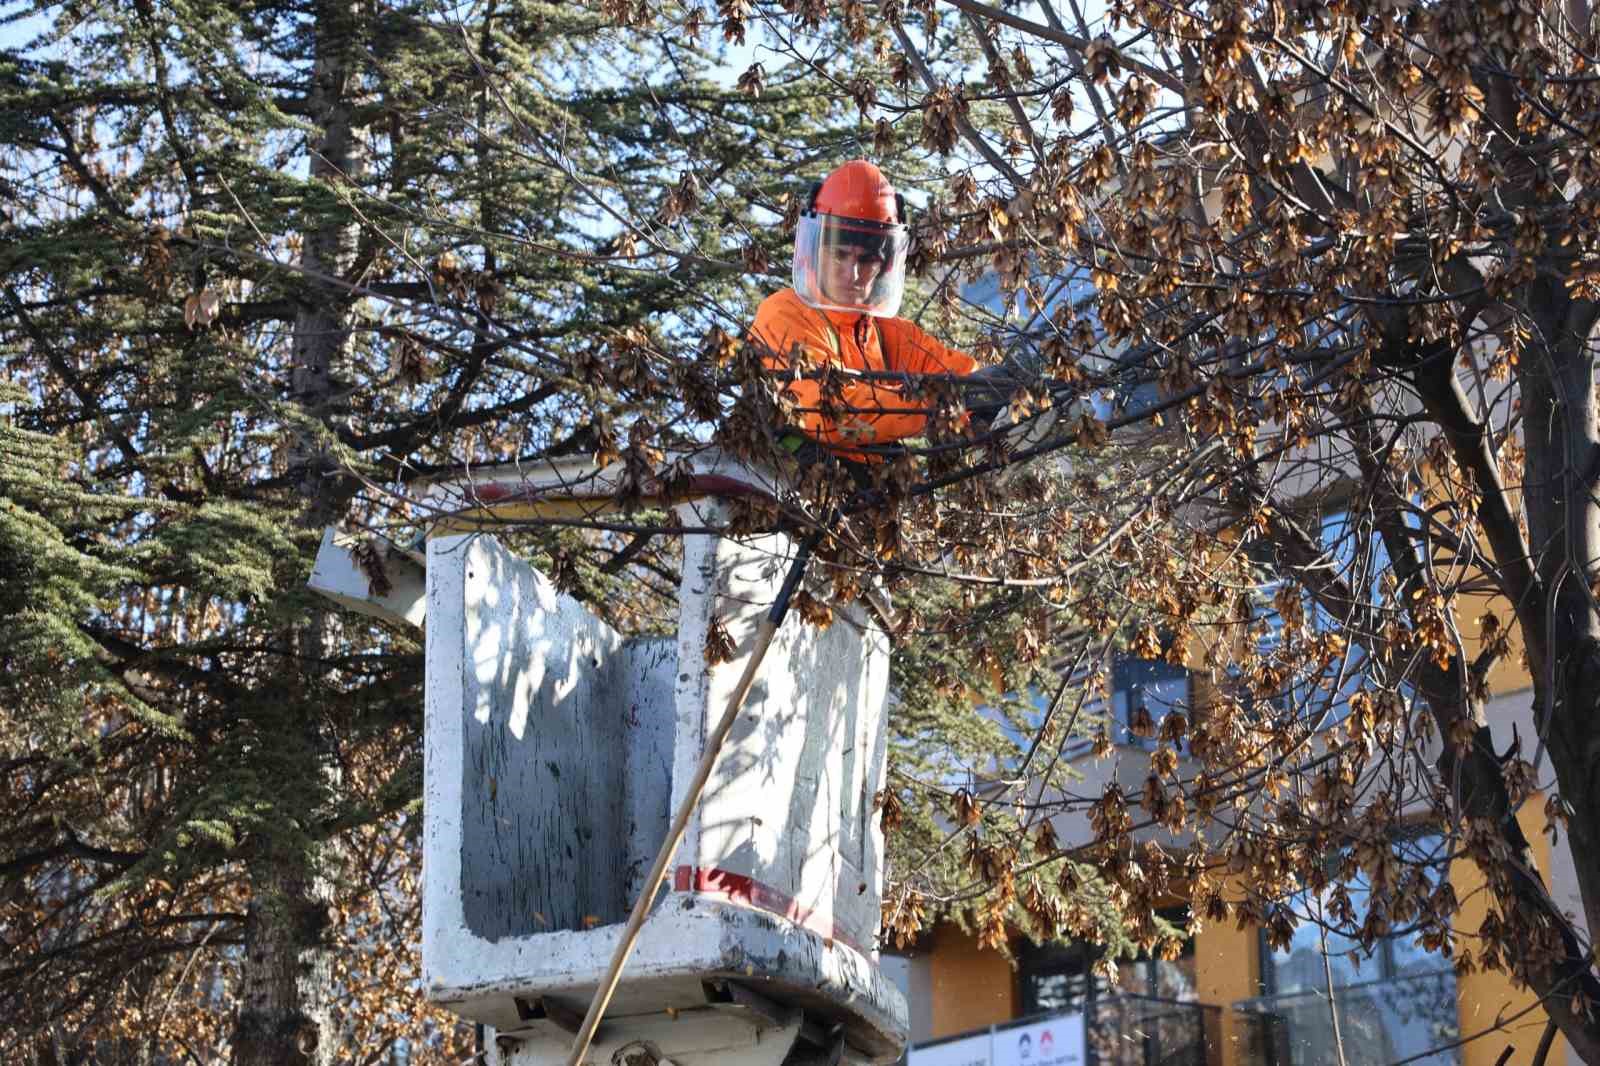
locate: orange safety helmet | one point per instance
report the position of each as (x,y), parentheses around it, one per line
(851,220)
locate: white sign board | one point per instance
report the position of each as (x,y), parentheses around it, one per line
(968,1051)
(1054,1041)
(1057,1041)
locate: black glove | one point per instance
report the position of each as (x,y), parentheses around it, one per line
(987,392)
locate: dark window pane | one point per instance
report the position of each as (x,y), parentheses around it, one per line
(1056,977)
(1160,688)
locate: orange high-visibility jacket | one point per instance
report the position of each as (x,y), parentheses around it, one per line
(876,412)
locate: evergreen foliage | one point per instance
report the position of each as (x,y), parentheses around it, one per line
(264,263)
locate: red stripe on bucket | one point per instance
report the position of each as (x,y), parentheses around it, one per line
(746,890)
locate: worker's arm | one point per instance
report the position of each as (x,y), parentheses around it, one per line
(870,412)
(908,348)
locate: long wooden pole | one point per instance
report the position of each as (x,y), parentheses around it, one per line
(680,822)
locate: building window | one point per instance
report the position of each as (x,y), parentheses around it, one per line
(1150,1015)
(1060,977)
(1320,697)
(1155,687)
(1396,1004)
(1057,978)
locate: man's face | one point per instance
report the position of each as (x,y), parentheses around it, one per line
(848,273)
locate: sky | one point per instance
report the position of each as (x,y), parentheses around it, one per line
(15,31)
(19,25)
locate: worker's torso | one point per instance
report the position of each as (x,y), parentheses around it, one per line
(854,340)
(860,340)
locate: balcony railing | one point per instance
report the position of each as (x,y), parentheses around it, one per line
(1124,1029)
(1135,1030)
(1379,1022)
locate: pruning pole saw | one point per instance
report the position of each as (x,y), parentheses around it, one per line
(987,394)
(641,907)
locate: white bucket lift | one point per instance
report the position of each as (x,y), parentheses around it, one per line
(556,751)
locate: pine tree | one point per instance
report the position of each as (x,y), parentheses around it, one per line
(262,261)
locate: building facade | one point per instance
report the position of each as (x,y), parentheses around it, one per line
(1231,1000)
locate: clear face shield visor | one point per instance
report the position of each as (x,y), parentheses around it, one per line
(850,264)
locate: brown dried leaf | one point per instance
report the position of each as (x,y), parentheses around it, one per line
(719,645)
(966,808)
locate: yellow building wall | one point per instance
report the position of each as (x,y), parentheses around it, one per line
(1227,968)
(1508,674)
(1485,996)
(972,988)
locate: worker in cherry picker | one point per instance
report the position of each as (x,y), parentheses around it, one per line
(849,276)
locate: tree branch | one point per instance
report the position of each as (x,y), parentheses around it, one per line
(973,137)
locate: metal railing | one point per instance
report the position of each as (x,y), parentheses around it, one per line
(1134,1030)
(1126,1029)
(1378,1022)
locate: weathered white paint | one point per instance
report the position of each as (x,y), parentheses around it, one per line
(554,753)
(507,487)
(337,576)
(689,939)
(646,687)
(790,802)
(484,497)
(541,702)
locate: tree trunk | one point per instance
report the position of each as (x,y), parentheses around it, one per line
(286,1017)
